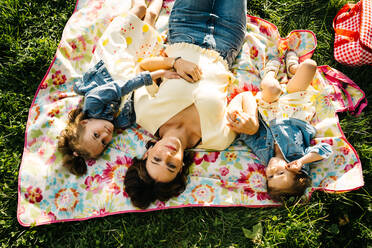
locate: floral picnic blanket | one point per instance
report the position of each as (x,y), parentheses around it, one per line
(48,193)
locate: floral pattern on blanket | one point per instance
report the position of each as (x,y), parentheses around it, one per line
(49,193)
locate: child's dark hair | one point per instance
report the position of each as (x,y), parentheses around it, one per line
(301,182)
(143,190)
(68,143)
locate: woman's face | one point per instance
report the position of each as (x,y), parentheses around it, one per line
(96,136)
(164,159)
(278,176)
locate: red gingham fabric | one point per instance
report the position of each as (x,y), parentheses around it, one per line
(353,34)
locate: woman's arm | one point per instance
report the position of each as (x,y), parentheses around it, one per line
(242,114)
(186,69)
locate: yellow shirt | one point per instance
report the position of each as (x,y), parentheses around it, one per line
(174,95)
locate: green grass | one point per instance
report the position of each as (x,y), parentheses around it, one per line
(29,35)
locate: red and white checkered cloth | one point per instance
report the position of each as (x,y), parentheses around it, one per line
(353,34)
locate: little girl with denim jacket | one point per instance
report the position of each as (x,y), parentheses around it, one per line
(283,139)
(90,127)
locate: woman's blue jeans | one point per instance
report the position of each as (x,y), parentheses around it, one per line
(213,24)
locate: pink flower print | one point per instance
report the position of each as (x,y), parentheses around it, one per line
(115,171)
(44,85)
(345,150)
(253,52)
(33,195)
(339,160)
(215,176)
(252,20)
(196,172)
(248,191)
(247,87)
(224,171)
(282,47)
(94,184)
(294,41)
(66,199)
(57,96)
(327,181)
(349,167)
(90,162)
(209,157)
(160,204)
(78,46)
(100,212)
(261,196)
(73,45)
(230,186)
(203,193)
(54,112)
(265,29)
(45,218)
(125,194)
(52,216)
(231,156)
(124,160)
(114,188)
(41,152)
(328,100)
(58,78)
(329,141)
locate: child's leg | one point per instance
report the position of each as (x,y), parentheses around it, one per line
(138,8)
(270,87)
(153,11)
(303,76)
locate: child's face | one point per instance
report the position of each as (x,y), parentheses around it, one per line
(96,136)
(278,175)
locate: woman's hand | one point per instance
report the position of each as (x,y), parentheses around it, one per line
(187,70)
(169,74)
(241,122)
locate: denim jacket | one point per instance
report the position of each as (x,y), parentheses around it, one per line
(293,137)
(103,95)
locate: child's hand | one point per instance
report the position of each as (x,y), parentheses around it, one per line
(295,166)
(171,74)
(164,73)
(241,122)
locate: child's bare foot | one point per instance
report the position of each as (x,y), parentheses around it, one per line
(139,8)
(153,11)
(291,63)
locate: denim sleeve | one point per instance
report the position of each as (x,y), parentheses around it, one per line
(323,149)
(144,78)
(114,90)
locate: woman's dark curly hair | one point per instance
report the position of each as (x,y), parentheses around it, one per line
(74,155)
(301,182)
(143,190)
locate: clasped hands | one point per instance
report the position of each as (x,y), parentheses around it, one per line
(183,69)
(242,122)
